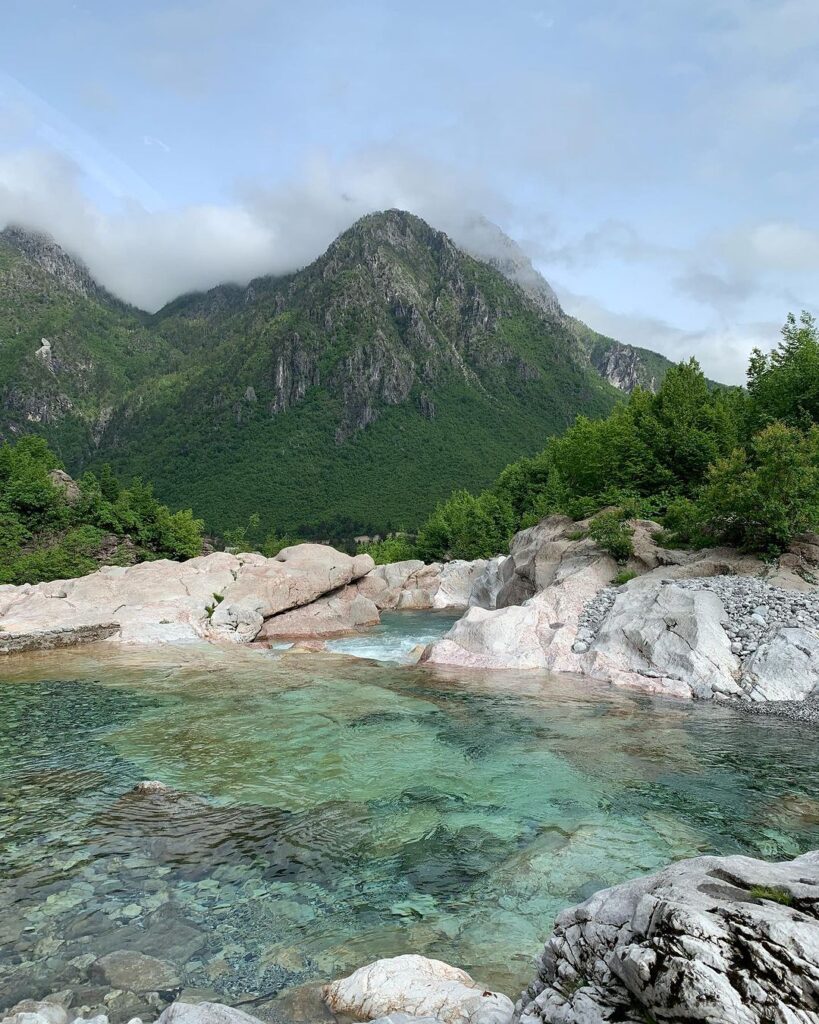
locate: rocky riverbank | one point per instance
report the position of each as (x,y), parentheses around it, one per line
(704,624)
(307,591)
(710,939)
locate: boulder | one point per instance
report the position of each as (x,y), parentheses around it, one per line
(218,597)
(343,612)
(668,639)
(204,1013)
(134,972)
(63,482)
(786,667)
(412,585)
(32,1011)
(295,577)
(485,589)
(717,939)
(417,986)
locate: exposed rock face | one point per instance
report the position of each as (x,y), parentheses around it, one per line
(343,612)
(412,585)
(219,597)
(622,366)
(486,588)
(418,986)
(712,939)
(63,482)
(693,624)
(295,577)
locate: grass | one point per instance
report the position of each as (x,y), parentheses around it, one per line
(773,893)
(622,578)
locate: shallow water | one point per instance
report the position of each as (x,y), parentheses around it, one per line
(330,810)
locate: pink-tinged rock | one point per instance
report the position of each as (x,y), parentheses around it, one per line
(417,986)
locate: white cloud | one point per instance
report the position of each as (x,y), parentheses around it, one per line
(150,256)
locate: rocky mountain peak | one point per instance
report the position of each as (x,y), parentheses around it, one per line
(68,271)
(487,242)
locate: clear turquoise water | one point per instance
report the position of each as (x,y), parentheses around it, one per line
(329,811)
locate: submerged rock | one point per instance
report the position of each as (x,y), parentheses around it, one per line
(419,987)
(128,970)
(718,939)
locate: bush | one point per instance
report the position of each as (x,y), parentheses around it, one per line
(43,536)
(761,498)
(391,549)
(612,534)
(622,578)
(468,527)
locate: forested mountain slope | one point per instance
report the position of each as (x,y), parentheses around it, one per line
(359,390)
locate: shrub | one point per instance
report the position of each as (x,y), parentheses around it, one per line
(612,534)
(391,549)
(622,578)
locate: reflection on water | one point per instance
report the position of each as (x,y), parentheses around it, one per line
(326,811)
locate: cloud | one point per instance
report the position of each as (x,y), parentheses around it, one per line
(150,256)
(721,350)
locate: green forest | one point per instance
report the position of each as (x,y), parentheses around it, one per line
(733,465)
(56,529)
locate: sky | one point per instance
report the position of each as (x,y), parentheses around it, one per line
(657,159)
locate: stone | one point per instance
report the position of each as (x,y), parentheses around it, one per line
(419,987)
(728,939)
(413,586)
(31,1011)
(63,482)
(204,1013)
(487,586)
(344,611)
(218,597)
(673,632)
(135,972)
(786,667)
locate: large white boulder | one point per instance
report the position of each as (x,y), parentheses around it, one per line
(664,638)
(785,667)
(204,1013)
(417,986)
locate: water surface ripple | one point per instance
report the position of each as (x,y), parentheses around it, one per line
(326,811)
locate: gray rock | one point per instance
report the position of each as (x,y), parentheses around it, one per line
(784,668)
(135,972)
(716,939)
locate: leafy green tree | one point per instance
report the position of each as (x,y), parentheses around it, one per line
(390,549)
(612,534)
(784,384)
(468,527)
(761,498)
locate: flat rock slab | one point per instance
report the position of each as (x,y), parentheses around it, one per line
(135,972)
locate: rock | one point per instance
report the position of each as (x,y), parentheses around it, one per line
(204,1013)
(667,639)
(151,786)
(416,986)
(48,639)
(718,939)
(784,668)
(404,1018)
(485,589)
(135,972)
(217,597)
(295,577)
(504,638)
(342,612)
(31,1011)
(63,482)
(412,585)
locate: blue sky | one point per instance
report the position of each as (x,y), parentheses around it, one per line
(658,160)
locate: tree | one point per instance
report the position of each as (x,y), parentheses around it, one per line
(761,498)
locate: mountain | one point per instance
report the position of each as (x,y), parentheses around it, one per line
(360,389)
